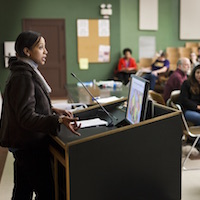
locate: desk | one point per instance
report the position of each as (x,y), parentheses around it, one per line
(77,94)
(141,161)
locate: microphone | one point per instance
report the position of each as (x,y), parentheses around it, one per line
(101,106)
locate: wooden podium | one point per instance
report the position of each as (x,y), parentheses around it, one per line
(141,161)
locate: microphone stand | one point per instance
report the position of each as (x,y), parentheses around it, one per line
(102,107)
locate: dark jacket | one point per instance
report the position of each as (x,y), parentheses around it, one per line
(27,118)
(174,83)
(188,100)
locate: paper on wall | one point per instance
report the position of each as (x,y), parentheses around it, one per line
(104,53)
(83,63)
(9,50)
(104,28)
(83,28)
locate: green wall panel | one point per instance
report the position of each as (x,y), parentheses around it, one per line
(13,12)
(168,30)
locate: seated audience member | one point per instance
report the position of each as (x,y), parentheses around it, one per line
(126,66)
(198,55)
(161,65)
(194,62)
(190,97)
(177,78)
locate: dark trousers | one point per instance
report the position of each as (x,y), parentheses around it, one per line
(123,77)
(152,79)
(33,173)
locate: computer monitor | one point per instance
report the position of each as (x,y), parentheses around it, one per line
(137,99)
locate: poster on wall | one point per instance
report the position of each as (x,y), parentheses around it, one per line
(148,15)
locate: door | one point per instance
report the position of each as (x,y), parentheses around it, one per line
(54,71)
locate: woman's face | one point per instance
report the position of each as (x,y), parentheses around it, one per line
(128,54)
(39,52)
(197,75)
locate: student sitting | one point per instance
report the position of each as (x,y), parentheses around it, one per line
(177,78)
(161,65)
(126,66)
(190,97)
(194,62)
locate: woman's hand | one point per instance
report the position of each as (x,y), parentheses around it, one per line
(62,112)
(71,124)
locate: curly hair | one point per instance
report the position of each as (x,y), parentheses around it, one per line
(127,50)
(195,87)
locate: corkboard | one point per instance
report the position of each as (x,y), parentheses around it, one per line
(88,47)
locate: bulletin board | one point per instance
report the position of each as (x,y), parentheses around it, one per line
(93,40)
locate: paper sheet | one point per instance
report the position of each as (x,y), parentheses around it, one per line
(104,53)
(104,28)
(83,63)
(92,123)
(107,99)
(83,28)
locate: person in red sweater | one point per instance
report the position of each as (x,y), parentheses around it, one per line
(126,66)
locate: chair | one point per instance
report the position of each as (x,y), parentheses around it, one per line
(173,100)
(194,50)
(145,62)
(191,44)
(184,52)
(158,98)
(192,131)
(171,50)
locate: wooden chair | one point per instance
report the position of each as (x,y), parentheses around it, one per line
(184,52)
(145,62)
(194,50)
(191,44)
(171,50)
(192,131)
(158,98)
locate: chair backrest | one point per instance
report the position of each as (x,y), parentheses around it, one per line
(184,52)
(191,44)
(194,50)
(175,96)
(171,50)
(173,59)
(184,120)
(145,62)
(158,98)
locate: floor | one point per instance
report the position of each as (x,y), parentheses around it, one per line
(190,180)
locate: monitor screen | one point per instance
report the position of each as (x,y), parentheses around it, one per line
(137,100)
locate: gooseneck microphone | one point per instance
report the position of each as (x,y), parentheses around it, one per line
(101,106)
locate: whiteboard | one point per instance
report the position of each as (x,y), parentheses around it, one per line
(189,20)
(148,15)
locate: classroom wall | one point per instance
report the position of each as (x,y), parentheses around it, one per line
(168,29)
(11,15)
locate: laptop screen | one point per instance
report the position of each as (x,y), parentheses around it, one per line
(137,100)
